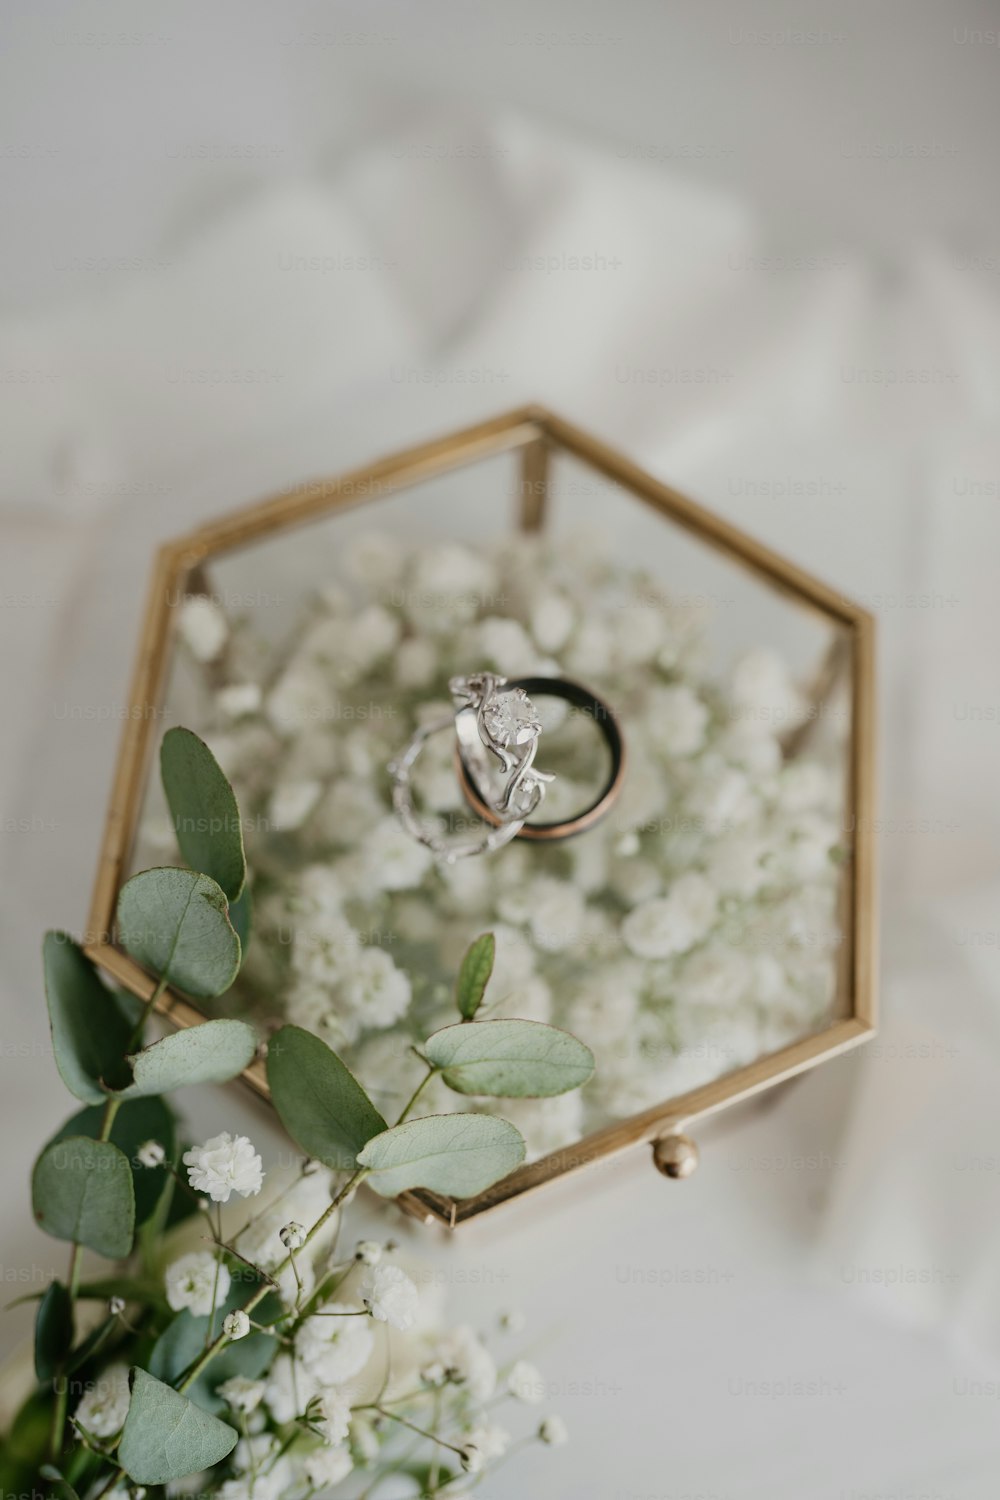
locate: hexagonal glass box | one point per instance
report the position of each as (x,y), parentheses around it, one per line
(712,936)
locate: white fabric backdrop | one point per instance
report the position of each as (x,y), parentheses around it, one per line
(842,1242)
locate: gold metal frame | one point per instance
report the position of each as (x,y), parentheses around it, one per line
(536,433)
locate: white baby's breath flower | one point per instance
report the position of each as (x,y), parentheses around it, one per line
(304,696)
(676,720)
(470,1458)
(554,1432)
(672,923)
(375,989)
(334,1417)
(368,1252)
(415,662)
(224,1165)
(525,1383)
(238,700)
(151,1154)
(292,1235)
(334,1349)
(393,860)
(591,650)
(236,1325)
(291,803)
(491,1440)
(723,799)
(468,1362)
(763,692)
(715,975)
(557,914)
(451,585)
(241,1394)
(505,645)
(736,864)
(190,1281)
(390,1296)
(639,633)
(552,620)
(202,626)
(327,1466)
(104,1405)
(289,1387)
(373,634)
(547,1124)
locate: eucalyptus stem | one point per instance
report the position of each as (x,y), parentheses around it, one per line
(431,1071)
(147,1010)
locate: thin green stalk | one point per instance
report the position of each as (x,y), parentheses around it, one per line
(259,1295)
(417,1092)
(147,1010)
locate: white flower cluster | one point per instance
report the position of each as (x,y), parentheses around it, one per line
(362,1356)
(690,932)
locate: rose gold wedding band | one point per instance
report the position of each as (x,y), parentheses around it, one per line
(581,698)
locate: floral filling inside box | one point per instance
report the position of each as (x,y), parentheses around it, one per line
(702,937)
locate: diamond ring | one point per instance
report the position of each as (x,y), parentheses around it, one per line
(498,727)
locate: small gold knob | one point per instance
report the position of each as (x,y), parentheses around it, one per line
(675,1155)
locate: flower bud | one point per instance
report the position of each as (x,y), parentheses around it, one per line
(236,1325)
(471,1459)
(292,1236)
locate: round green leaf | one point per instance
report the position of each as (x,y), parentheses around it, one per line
(90,1034)
(474,975)
(455,1154)
(176,924)
(510,1059)
(137,1121)
(82,1190)
(166,1436)
(204,809)
(211,1052)
(321,1104)
(53,1330)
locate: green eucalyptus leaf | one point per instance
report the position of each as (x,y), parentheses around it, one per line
(474,975)
(204,810)
(210,1052)
(90,1033)
(510,1059)
(176,924)
(53,1330)
(321,1104)
(82,1190)
(137,1121)
(455,1154)
(166,1436)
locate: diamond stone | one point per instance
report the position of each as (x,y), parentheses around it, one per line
(511,718)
